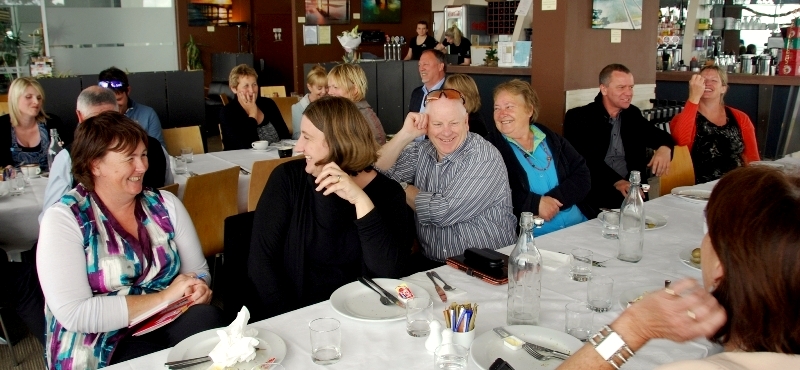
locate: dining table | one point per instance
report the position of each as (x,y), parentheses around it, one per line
(386,345)
(19,218)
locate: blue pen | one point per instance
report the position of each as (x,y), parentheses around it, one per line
(202,275)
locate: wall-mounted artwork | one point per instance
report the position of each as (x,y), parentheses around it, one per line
(380,11)
(327,12)
(209,12)
(617,14)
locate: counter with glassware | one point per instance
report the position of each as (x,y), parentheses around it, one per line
(733,78)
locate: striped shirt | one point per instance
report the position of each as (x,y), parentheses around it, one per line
(464,199)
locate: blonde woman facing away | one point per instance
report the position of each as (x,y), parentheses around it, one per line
(349,81)
(317,83)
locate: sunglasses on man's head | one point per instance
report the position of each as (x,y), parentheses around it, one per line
(112,84)
(444,93)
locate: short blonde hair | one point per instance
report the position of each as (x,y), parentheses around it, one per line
(242,70)
(317,76)
(350,77)
(523,89)
(466,85)
(348,134)
(455,33)
(15,91)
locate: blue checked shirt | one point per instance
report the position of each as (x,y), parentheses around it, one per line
(464,200)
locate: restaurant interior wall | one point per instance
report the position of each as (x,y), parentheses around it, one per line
(274,50)
(568,54)
(412,12)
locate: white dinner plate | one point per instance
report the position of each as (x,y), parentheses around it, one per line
(686,257)
(658,221)
(269,149)
(632,294)
(488,346)
(692,194)
(200,344)
(358,302)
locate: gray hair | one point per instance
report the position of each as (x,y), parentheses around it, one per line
(94,96)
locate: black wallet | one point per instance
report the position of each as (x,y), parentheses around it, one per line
(486,264)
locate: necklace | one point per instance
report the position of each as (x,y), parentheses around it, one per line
(529,156)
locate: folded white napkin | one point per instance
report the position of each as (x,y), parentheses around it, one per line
(237,342)
(553,260)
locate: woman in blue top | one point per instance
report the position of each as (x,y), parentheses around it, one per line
(547,176)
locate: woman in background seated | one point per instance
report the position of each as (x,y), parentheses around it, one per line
(749,261)
(25,130)
(459,45)
(110,251)
(326,220)
(349,81)
(472,100)
(546,174)
(250,117)
(317,82)
(720,138)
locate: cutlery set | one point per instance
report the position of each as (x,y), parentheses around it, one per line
(387,299)
(538,352)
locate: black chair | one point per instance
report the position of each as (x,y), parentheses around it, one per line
(237,289)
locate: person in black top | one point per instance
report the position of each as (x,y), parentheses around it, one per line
(420,43)
(459,45)
(324,221)
(250,117)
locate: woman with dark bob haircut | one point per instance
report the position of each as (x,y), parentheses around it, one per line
(324,221)
(110,250)
(750,260)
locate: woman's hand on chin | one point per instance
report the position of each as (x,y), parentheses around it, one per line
(333,180)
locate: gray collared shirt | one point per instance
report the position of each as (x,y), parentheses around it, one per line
(464,199)
(615,156)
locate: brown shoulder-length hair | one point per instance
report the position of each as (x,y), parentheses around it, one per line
(523,89)
(466,85)
(753,216)
(348,134)
(107,131)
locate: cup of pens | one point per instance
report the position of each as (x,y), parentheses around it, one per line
(460,318)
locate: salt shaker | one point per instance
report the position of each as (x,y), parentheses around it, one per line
(435,337)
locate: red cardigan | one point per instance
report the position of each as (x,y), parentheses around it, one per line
(684,129)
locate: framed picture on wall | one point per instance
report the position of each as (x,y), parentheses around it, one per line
(617,14)
(327,12)
(380,11)
(209,13)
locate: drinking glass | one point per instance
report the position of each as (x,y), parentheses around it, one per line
(180,166)
(326,341)
(419,313)
(580,264)
(610,222)
(17,182)
(598,293)
(450,356)
(579,320)
(187,154)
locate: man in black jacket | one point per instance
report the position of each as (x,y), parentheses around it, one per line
(611,134)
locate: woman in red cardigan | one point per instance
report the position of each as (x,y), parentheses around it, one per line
(720,138)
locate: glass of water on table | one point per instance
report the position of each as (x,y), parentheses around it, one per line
(326,341)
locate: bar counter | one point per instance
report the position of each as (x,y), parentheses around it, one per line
(483,70)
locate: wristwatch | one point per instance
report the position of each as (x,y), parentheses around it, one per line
(404,185)
(611,347)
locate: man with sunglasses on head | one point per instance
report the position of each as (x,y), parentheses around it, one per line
(457,182)
(116,80)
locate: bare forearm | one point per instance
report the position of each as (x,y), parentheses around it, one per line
(391,151)
(139,304)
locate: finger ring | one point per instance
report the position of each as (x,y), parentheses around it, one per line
(669,291)
(339,179)
(691,314)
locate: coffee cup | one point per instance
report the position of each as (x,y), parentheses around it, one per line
(30,170)
(285,151)
(260,145)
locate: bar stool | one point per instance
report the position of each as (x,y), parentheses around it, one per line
(8,340)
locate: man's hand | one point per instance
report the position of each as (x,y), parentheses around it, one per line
(411,195)
(623,186)
(414,126)
(548,207)
(697,84)
(660,161)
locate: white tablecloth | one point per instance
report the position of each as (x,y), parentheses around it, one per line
(19,224)
(387,346)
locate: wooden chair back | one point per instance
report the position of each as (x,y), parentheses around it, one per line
(172,188)
(183,137)
(224,99)
(258,179)
(3,108)
(681,171)
(285,106)
(221,141)
(270,91)
(209,199)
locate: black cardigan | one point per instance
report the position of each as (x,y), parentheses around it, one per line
(239,130)
(292,220)
(574,181)
(588,130)
(66,133)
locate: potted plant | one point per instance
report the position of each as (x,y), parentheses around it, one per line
(491,58)
(193,61)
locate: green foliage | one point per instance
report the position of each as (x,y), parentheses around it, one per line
(193,61)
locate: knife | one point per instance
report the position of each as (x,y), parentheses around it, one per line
(439,290)
(387,294)
(557,354)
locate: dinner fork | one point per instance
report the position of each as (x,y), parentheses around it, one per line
(535,353)
(385,301)
(446,286)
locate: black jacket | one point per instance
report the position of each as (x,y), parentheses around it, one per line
(573,176)
(239,131)
(588,130)
(416,100)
